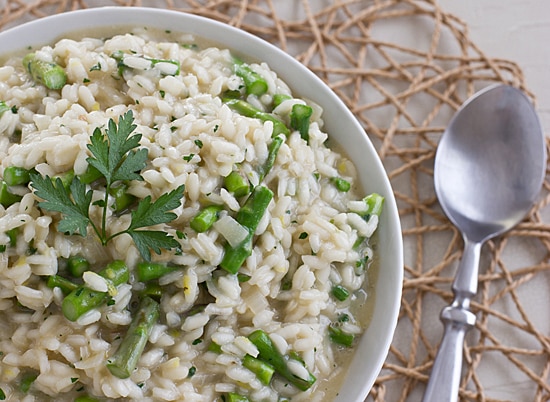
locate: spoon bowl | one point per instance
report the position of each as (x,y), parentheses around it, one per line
(490,163)
(489,169)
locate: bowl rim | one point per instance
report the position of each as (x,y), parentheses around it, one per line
(302,82)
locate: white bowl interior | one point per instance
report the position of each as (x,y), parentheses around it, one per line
(339,123)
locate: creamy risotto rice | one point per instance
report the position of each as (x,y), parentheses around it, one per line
(202,117)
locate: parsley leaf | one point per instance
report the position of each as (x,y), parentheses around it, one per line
(57,198)
(116,158)
(149,214)
(152,239)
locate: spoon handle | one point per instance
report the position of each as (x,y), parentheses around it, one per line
(444,380)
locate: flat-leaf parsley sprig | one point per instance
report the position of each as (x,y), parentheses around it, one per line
(115,154)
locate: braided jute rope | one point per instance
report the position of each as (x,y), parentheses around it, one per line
(403,67)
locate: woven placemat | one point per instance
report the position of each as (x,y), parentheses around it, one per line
(404,67)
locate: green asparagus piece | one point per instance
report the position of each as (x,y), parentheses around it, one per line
(339,337)
(214,347)
(85,398)
(125,359)
(280,98)
(236,184)
(299,119)
(15,176)
(3,107)
(273,150)
(263,370)
(243,277)
(340,292)
(153,290)
(6,197)
(90,175)
(341,184)
(249,216)
(375,202)
(77,265)
(57,281)
(147,271)
(254,83)
(83,299)
(12,236)
(122,200)
(27,381)
(246,109)
(65,177)
(117,272)
(80,301)
(49,74)
(233,397)
(270,354)
(205,218)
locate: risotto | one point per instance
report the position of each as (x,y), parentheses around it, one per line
(173,226)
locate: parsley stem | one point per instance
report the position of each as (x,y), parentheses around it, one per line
(103,237)
(111,237)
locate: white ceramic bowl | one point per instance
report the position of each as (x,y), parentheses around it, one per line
(340,124)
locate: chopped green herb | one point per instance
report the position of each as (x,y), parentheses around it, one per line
(199,143)
(303,235)
(343,317)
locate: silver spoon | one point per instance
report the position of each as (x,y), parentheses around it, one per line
(489,168)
